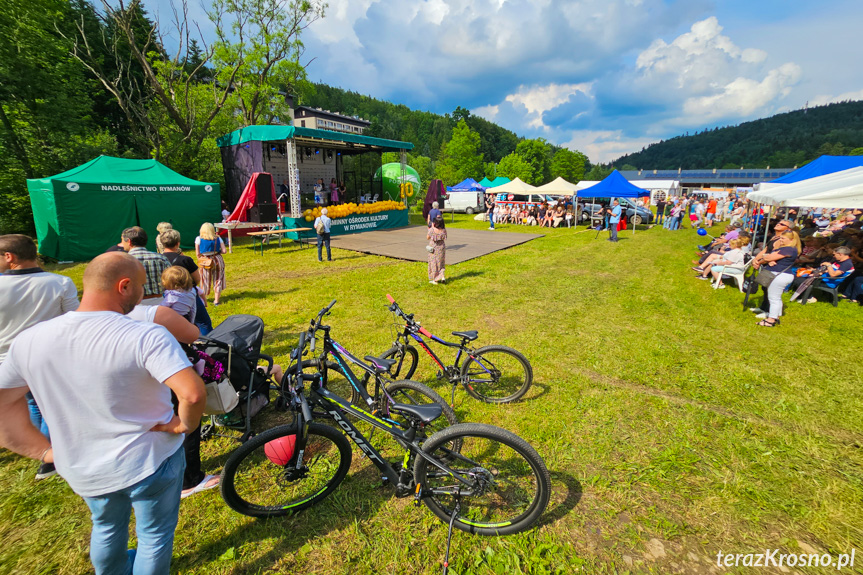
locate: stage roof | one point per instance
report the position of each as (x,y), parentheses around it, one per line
(309,136)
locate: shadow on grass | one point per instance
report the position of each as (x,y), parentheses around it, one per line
(543,389)
(463,275)
(252,294)
(566,492)
(354,501)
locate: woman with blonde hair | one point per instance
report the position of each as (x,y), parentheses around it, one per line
(779,261)
(209,248)
(162,228)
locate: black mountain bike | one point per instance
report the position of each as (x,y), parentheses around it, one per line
(477,478)
(494,373)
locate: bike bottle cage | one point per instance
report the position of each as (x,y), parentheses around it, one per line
(425,413)
(381,365)
(468,335)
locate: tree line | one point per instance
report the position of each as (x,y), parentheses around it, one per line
(78,80)
(780,141)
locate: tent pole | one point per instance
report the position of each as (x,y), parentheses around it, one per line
(767,223)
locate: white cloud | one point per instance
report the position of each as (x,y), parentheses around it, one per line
(713,78)
(539,99)
(487,112)
(605,145)
(824,99)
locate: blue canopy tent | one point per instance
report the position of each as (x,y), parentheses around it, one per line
(614,186)
(820,167)
(468,185)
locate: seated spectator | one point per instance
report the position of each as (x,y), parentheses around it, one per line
(532,216)
(547,218)
(841,267)
(742,243)
(733,259)
(557,215)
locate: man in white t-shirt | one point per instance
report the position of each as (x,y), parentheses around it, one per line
(28,296)
(105,390)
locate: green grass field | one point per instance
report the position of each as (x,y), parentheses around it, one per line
(673,427)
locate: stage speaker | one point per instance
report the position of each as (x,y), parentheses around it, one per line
(264,214)
(264,188)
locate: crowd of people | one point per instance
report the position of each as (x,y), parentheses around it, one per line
(824,252)
(542,215)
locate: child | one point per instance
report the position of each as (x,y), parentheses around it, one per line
(180,292)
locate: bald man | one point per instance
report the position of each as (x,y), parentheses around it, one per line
(105,391)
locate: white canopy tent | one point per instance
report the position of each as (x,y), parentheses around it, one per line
(514,187)
(850,197)
(557,187)
(790,194)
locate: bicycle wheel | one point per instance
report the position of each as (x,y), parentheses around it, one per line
(509,483)
(407,357)
(416,393)
(256,481)
(496,374)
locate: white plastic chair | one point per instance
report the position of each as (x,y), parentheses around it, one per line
(374,199)
(735,274)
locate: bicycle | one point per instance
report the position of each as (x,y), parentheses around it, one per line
(477,478)
(493,373)
(386,392)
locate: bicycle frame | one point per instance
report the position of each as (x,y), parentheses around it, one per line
(335,408)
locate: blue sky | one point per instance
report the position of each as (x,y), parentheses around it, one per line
(605,77)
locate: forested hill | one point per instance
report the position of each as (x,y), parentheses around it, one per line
(781,141)
(428,132)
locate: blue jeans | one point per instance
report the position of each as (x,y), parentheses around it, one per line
(156,500)
(324,239)
(202,317)
(491,221)
(36,416)
(660,216)
(613,228)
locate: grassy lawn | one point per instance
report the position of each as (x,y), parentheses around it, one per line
(673,427)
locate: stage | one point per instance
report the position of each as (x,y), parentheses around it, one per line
(409,243)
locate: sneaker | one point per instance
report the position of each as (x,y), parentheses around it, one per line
(433,282)
(720,286)
(812,300)
(762,315)
(702,278)
(46,470)
(756,310)
(209,482)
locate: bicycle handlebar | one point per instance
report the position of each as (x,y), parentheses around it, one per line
(392,300)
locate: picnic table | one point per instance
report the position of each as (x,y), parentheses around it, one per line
(259,238)
(230,226)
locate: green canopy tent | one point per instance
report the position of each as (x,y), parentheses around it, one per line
(81,212)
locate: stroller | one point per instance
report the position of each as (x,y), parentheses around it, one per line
(236,344)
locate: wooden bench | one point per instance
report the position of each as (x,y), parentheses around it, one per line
(258,238)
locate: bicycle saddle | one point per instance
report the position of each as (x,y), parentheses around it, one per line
(425,413)
(468,335)
(381,365)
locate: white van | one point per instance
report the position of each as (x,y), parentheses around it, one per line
(467,202)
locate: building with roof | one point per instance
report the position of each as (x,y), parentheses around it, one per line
(694,180)
(318,119)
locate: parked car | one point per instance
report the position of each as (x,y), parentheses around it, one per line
(530,199)
(467,202)
(634,214)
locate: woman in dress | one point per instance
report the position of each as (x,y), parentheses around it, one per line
(210,245)
(437,258)
(334,192)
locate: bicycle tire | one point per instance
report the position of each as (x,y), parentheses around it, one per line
(414,392)
(255,485)
(513,481)
(408,356)
(496,374)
